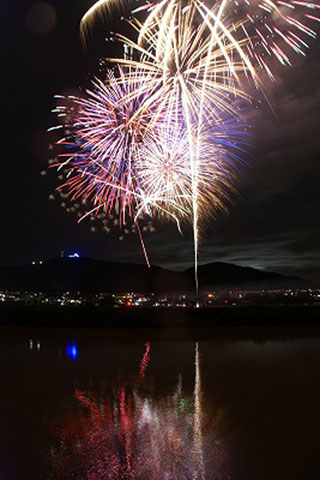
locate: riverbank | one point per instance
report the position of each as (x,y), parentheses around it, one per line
(157,317)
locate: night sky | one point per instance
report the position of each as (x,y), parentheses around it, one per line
(274,225)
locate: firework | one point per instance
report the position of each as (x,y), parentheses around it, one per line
(274,29)
(166,173)
(103,135)
(158,138)
(124,163)
(103,143)
(127,160)
(193,66)
(146,141)
(101,222)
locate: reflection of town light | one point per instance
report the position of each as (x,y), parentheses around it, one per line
(38,346)
(72,351)
(74,255)
(30,344)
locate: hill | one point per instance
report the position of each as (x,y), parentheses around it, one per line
(87,275)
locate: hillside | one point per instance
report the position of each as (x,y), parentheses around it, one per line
(87,275)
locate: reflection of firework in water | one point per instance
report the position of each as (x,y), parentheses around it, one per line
(132,437)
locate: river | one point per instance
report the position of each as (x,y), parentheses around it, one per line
(159,404)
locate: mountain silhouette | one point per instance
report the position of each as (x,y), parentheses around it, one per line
(87,275)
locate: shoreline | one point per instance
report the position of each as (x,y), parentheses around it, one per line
(158,317)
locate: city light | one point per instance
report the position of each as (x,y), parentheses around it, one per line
(72,351)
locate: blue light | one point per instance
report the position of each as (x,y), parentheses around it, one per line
(72,351)
(74,255)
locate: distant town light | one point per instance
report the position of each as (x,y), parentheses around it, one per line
(72,351)
(74,255)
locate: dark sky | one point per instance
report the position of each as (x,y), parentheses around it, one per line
(273,226)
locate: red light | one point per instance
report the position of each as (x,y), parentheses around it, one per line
(226,301)
(128,303)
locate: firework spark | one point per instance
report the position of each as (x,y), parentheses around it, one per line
(164,167)
(103,146)
(123,162)
(274,29)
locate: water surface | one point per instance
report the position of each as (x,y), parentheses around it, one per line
(98,404)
